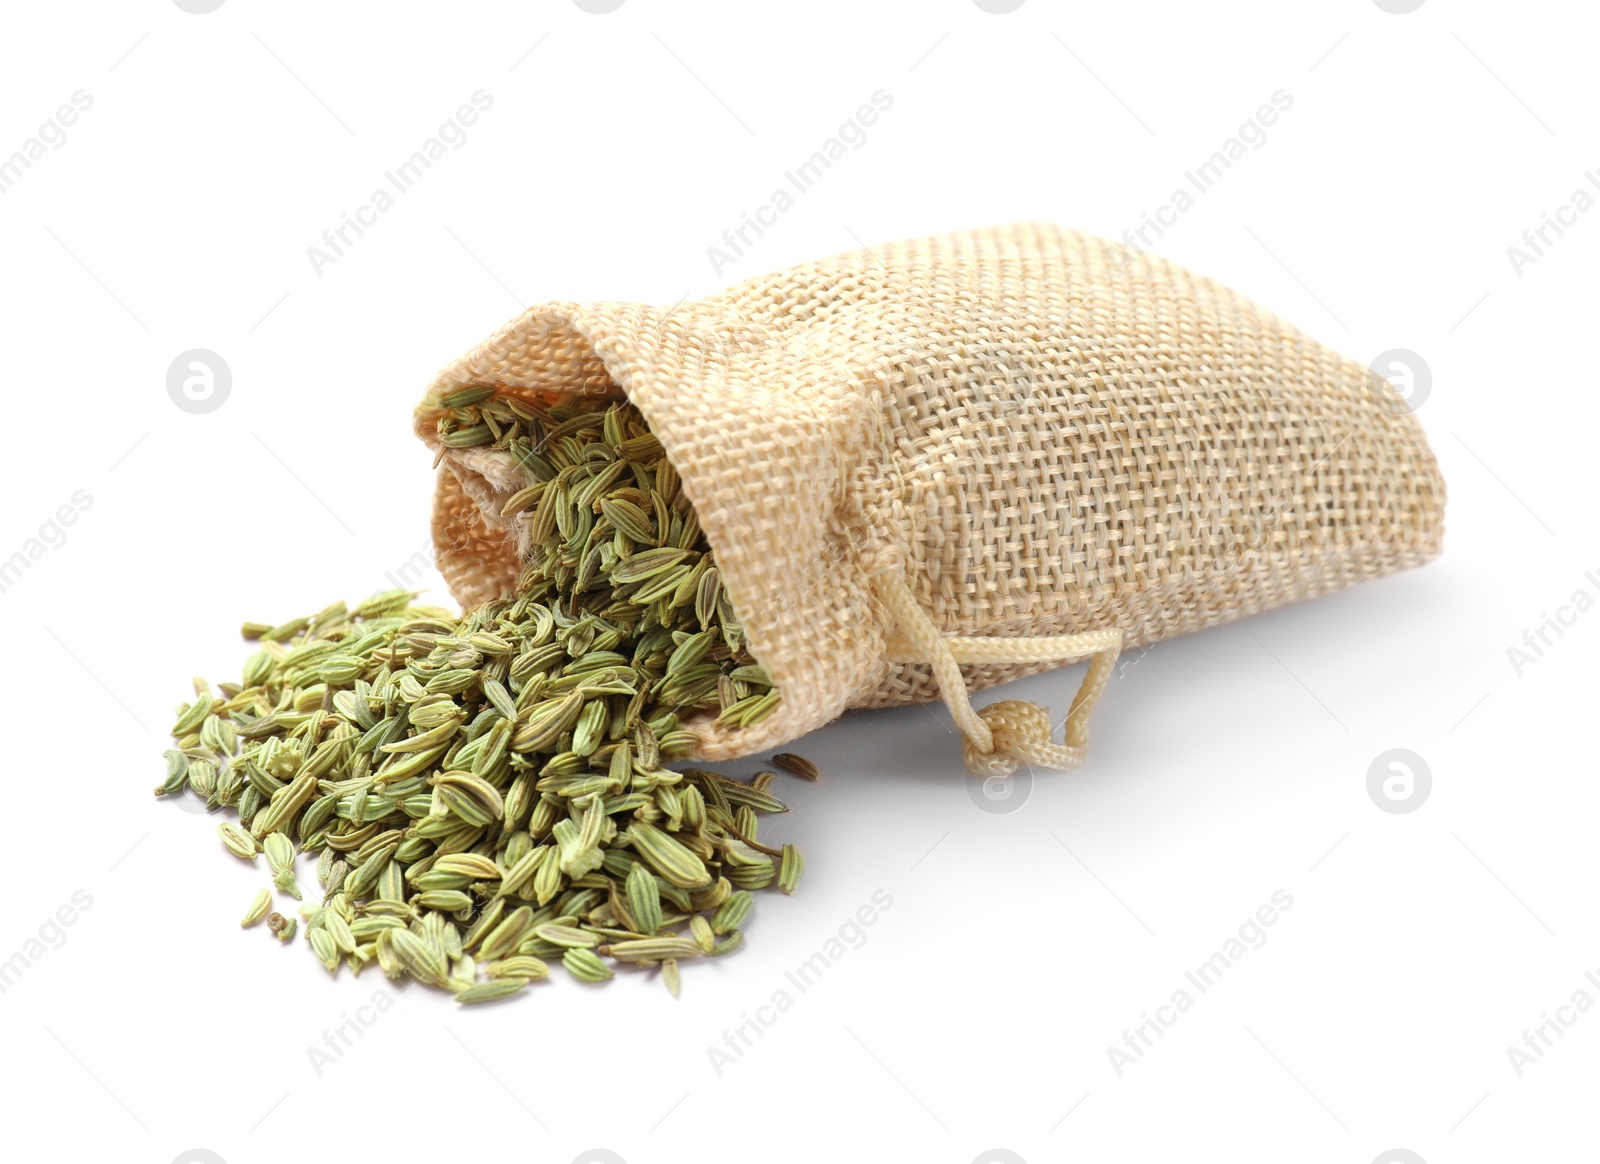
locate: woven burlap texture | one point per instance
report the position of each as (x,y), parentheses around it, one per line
(1041,431)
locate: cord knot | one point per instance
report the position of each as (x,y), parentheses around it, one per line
(998,739)
(1019,734)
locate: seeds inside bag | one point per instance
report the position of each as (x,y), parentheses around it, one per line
(944,463)
(488,793)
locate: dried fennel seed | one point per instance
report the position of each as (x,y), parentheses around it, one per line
(487,794)
(798,765)
(259,906)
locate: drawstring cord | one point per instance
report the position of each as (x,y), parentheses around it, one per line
(1000,738)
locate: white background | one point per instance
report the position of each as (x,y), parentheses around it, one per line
(1020,945)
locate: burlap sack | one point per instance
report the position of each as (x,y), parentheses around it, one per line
(940,464)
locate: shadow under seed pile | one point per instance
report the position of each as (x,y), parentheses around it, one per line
(488,793)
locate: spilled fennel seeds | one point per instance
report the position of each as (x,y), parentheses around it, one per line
(488,794)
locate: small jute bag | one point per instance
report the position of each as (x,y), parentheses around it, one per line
(933,466)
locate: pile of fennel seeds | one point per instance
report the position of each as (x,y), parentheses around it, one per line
(488,794)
